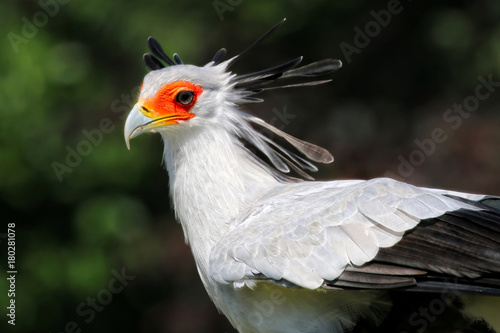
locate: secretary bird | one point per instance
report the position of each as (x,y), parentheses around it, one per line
(316,255)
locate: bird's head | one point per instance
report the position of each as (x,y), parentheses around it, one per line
(179,97)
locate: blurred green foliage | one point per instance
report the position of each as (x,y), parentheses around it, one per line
(79,218)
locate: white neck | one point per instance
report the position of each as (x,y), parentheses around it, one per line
(212,180)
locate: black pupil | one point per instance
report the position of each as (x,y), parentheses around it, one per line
(185,97)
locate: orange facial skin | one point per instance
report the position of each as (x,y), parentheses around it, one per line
(164,105)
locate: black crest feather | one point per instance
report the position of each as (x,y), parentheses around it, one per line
(280,157)
(253,82)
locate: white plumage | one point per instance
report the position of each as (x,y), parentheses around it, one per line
(273,251)
(308,232)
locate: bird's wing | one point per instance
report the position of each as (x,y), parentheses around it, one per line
(308,233)
(459,251)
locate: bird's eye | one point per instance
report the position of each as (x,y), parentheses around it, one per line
(185,97)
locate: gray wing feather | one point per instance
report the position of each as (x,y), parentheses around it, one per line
(309,232)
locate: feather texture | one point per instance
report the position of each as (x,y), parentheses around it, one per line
(346,224)
(308,247)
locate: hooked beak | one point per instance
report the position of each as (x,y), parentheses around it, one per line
(141,120)
(136,124)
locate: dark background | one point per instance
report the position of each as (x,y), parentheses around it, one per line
(76,71)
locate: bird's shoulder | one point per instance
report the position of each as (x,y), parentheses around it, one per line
(343,198)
